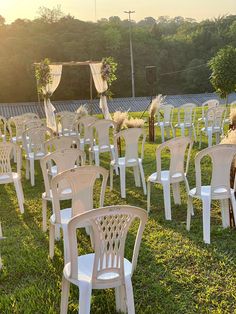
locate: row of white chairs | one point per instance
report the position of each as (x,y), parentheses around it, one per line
(212,121)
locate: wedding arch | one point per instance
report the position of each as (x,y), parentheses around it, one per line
(55,78)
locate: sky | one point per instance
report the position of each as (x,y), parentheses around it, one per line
(85,9)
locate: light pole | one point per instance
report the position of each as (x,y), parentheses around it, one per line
(131,51)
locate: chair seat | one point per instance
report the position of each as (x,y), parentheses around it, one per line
(4,178)
(102,148)
(186,125)
(216,129)
(85,270)
(126,163)
(65,194)
(167,124)
(38,155)
(66,215)
(206,190)
(165,174)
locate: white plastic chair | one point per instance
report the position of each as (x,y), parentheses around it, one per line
(3,128)
(16,126)
(208,104)
(54,163)
(101,142)
(164,120)
(61,142)
(131,158)
(186,120)
(80,181)
(33,143)
(107,267)
(174,175)
(66,121)
(213,124)
(6,173)
(227,112)
(85,134)
(221,156)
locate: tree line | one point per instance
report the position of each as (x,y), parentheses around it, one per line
(179,48)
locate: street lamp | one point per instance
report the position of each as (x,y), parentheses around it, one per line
(131,51)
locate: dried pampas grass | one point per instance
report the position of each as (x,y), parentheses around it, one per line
(134,123)
(155,105)
(82,111)
(232,116)
(230,138)
(120,117)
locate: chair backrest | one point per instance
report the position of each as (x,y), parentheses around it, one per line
(61,142)
(83,126)
(6,150)
(110,226)
(102,134)
(30,116)
(214,117)
(165,113)
(34,138)
(81,182)
(178,163)
(67,120)
(3,126)
(211,103)
(188,114)
(34,123)
(131,138)
(64,159)
(221,156)
(17,124)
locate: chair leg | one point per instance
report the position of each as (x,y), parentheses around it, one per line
(65,291)
(90,158)
(120,299)
(85,291)
(148,196)
(200,141)
(129,295)
(142,177)
(194,134)
(122,182)
(162,133)
(32,180)
(233,202)
(44,214)
(51,240)
(137,176)
(96,157)
(57,233)
(206,215)
(189,212)
(168,132)
(27,172)
(167,201)
(209,134)
(20,195)
(111,178)
(176,193)
(225,213)
(217,138)
(113,158)
(182,130)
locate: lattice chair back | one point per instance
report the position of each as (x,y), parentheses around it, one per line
(102,132)
(131,138)
(81,182)
(34,123)
(211,103)
(221,156)
(178,162)
(214,117)
(30,116)
(110,226)
(63,159)
(61,142)
(67,120)
(16,125)
(3,128)
(34,138)
(188,111)
(83,126)
(165,114)
(6,150)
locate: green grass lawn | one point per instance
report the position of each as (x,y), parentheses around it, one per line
(176,271)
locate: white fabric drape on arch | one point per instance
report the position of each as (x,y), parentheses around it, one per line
(55,71)
(101,87)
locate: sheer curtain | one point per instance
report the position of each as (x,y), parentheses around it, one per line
(101,87)
(55,71)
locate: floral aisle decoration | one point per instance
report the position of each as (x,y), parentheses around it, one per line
(81,111)
(120,117)
(108,73)
(43,77)
(154,107)
(134,123)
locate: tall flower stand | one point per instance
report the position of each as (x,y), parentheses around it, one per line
(151,129)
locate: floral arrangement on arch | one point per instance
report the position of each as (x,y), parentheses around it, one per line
(108,73)
(43,77)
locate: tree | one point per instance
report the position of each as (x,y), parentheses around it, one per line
(50,15)
(223,67)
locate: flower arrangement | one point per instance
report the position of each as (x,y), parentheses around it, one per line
(43,77)
(120,117)
(108,73)
(134,123)
(155,105)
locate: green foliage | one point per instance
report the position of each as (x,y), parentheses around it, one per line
(223,66)
(43,76)
(108,72)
